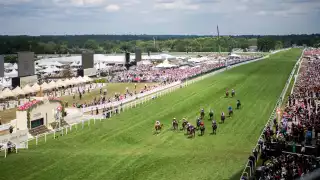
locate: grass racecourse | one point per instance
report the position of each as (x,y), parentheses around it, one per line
(125,148)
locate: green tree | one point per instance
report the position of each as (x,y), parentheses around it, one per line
(91,44)
(278,45)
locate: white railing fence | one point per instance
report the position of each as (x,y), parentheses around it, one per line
(250,166)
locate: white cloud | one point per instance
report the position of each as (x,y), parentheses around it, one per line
(112,8)
(131,2)
(79,2)
(175,5)
(12,2)
(188,16)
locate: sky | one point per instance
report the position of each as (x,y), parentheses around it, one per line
(197,17)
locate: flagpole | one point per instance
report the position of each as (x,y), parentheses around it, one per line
(218,39)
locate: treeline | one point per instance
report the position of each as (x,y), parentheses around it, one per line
(156,43)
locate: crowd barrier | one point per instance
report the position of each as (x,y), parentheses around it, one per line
(251,164)
(120,107)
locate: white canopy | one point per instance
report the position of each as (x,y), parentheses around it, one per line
(51,69)
(165,64)
(52,85)
(87,79)
(75,64)
(36,87)
(15,66)
(18,91)
(27,89)
(45,86)
(60,83)
(56,63)
(67,82)
(235,55)
(144,62)
(7,93)
(81,80)
(13,73)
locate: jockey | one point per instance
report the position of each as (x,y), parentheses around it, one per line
(222,114)
(158,123)
(201,123)
(230,108)
(174,121)
(233,91)
(214,123)
(238,102)
(198,121)
(211,112)
(190,127)
(202,110)
(184,120)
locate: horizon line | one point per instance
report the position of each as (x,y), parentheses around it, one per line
(160,35)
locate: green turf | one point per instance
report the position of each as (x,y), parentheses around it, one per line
(124,147)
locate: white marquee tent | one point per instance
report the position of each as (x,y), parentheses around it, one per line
(27,89)
(165,64)
(7,93)
(18,91)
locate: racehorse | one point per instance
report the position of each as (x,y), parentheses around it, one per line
(227,94)
(191,131)
(184,125)
(214,128)
(238,104)
(230,113)
(175,125)
(211,115)
(158,128)
(233,93)
(198,123)
(202,115)
(202,129)
(223,117)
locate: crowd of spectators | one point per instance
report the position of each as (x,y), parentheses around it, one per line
(104,98)
(148,73)
(290,147)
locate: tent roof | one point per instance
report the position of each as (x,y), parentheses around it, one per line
(45,86)
(7,93)
(36,87)
(165,64)
(18,91)
(27,89)
(87,79)
(52,84)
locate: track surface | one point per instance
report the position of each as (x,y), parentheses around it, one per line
(124,147)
